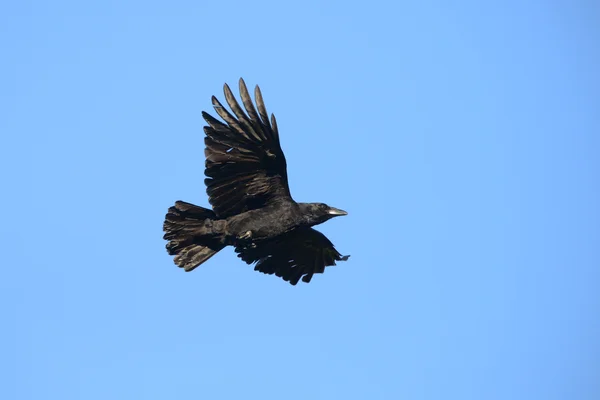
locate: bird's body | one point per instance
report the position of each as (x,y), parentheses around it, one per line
(267,222)
(253,210)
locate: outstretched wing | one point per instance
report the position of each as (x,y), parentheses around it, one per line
(245,166)
(298,254)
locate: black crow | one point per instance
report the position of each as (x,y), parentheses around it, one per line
(252,208)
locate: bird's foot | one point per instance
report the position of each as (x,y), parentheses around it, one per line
(246,235)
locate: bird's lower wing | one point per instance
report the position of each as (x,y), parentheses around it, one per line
(298,254)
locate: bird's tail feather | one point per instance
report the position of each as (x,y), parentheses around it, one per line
(191,234)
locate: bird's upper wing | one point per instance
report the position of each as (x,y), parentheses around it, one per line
(245,166)
(298,254)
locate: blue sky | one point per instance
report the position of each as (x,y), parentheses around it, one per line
(462,138)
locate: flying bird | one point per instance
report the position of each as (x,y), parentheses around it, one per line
(252,208)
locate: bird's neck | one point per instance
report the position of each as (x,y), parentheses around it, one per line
(306,217)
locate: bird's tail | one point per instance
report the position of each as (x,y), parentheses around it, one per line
(192,235)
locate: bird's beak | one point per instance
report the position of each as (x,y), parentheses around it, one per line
(336,212)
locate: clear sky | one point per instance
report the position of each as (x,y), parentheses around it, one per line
(462,137)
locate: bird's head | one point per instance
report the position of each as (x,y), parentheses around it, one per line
(317,213)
